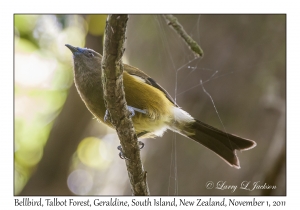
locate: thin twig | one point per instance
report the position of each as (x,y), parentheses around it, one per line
(180,30)
(114,97)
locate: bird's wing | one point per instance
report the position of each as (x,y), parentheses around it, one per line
(148,80)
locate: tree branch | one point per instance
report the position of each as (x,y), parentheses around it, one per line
(180,30)
(114,97)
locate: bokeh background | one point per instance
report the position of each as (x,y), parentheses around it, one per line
(59,149)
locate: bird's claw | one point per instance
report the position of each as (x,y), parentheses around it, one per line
(141,144)
(131,110)
(121,153)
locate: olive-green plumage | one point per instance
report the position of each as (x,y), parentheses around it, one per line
(162,113)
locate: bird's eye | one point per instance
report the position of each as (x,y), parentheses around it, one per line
(89,54)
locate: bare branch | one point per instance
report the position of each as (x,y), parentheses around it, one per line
(114,97)
(180,30)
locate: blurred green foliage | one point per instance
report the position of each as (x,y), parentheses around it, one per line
(96,24)
(43,76)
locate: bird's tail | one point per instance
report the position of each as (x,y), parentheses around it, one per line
(222,143)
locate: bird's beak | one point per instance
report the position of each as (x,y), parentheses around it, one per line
(73,49)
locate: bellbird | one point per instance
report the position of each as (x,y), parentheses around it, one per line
(156,111)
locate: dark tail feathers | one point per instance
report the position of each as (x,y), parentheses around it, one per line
(222,143)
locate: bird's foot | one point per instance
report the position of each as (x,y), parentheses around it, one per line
(131,110)
(121,153)
(141,144)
